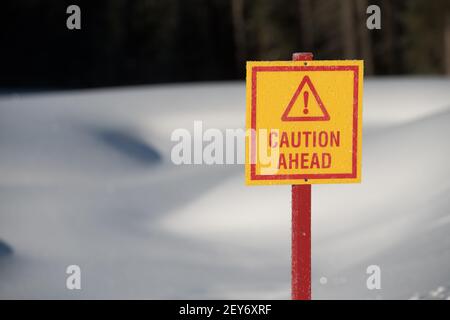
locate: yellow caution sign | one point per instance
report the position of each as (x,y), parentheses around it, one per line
(304,122)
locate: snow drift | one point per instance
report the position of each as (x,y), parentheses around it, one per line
(86,179)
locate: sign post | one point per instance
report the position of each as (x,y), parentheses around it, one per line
(304,123)
(301,230)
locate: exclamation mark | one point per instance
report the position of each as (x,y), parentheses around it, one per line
(305,100)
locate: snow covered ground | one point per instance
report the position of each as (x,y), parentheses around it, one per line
(86,179)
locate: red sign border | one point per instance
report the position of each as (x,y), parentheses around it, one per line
(352,175)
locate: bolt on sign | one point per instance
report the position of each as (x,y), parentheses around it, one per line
(304,122)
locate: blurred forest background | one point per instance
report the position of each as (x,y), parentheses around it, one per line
(125,42)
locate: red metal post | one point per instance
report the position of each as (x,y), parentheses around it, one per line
(301,229)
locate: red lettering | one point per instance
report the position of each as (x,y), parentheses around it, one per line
(273,133)
(335,138)
(314,161)
(284,140)
(294,143)
(282,162)
(304,161)
(292,160)
(326,160)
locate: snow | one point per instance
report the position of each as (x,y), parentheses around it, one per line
(86,179)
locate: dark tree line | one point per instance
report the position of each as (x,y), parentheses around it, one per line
(155,41)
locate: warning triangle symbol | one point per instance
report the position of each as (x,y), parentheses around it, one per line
(305,104)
